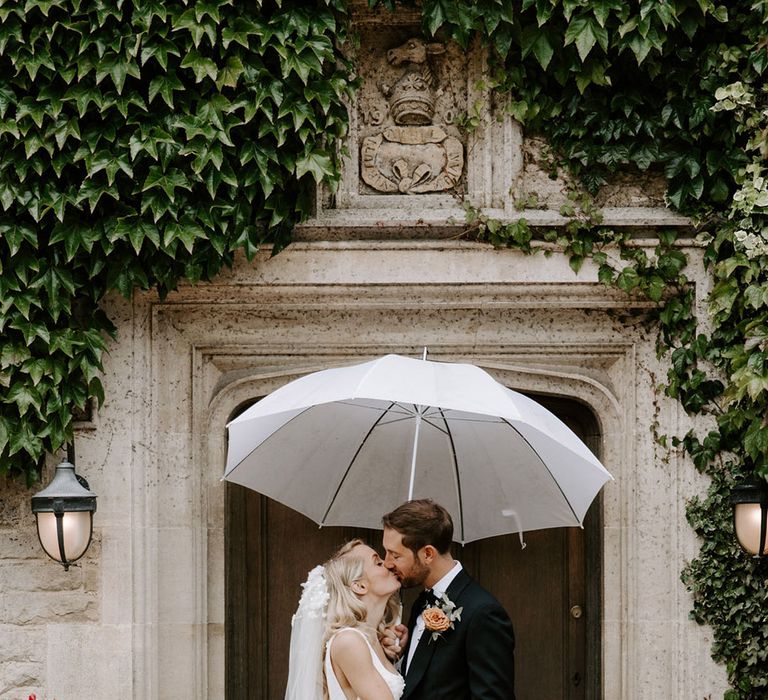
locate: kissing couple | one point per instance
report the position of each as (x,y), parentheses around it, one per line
(347,642)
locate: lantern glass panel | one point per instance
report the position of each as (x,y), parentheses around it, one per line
(747,518)
(76,527)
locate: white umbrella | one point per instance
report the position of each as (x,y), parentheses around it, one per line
(344,446)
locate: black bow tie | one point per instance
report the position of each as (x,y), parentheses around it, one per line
(426,598)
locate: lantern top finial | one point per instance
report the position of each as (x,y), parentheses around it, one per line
(65,486)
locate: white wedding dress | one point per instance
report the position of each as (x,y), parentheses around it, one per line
(395,682)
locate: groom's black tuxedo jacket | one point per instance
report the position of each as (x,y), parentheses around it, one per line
(473,661)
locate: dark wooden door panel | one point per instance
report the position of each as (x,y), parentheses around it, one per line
(531,585)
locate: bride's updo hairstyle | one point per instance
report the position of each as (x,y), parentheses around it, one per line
(345,607)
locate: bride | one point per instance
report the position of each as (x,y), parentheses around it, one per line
(344,609)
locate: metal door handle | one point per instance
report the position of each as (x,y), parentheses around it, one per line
(576,612)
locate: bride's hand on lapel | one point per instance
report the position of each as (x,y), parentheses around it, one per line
(393,641)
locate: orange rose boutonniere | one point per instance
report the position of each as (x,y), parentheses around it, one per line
(439,618)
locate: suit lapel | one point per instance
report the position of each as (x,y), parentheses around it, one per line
(411,674)
(424,651)
(457,586)
(421,658)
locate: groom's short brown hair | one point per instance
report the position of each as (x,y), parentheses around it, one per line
(422,522)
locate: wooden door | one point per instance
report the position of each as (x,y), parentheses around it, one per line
(551,590)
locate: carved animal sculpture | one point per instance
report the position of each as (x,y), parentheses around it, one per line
(416,51)
(412,96)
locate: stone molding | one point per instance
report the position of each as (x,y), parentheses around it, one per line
(450,222)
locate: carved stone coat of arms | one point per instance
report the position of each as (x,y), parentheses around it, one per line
(414,155)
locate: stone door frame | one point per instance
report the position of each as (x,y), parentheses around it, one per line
(209,349)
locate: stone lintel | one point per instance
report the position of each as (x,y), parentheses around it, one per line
(450,222)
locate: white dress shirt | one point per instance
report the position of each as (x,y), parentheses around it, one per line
(438,589)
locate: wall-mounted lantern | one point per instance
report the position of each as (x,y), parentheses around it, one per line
(64,512)
(750,516)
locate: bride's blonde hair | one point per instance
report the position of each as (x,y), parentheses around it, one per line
(345,608)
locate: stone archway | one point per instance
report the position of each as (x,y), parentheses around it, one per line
(250,662)
(560,570)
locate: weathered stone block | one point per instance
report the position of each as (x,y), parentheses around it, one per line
(20,678)
(38,607)
(90,661)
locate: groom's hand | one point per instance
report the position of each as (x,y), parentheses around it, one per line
(393,641)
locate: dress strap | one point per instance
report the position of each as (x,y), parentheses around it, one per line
(354,629)
(377,662)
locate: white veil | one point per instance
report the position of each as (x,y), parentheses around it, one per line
(305,662)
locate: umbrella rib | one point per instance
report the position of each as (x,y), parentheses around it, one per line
(435,426)
(456,472)
(483,419)
(398,420)
(352,461)
(477,420)
(544,464)
(357,404)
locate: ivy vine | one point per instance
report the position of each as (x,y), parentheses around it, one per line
(142,143)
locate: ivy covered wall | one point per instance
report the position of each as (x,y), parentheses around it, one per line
(146,142)
(141,143)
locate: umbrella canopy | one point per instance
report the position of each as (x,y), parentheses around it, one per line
(344,446)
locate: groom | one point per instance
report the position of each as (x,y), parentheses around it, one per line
(473,659)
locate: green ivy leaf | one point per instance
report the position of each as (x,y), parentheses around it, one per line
(13,356)
(14,235)
(240,31)
(159,49)
(201,66)
(320,165)
(4,433)
(628,279)
(93,191)
(23,396)
(167,181)
(585,32)
(756,438)
(535,40)
(164,85)
(186,231)
(231,73)
(145,10)
(31,331)
(435,17)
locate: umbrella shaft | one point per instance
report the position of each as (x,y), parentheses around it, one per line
(415,449)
